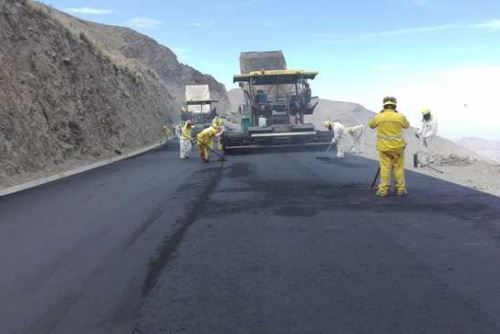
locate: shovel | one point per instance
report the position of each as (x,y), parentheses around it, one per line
(327,150)
(375,179)
(217,154)
(417,164)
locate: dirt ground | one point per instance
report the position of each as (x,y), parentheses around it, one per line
(470,172)
(460,164)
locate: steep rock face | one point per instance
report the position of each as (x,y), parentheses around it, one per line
(65,101)
(173,74)
(126,46)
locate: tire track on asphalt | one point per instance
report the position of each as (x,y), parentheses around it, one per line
(192,212)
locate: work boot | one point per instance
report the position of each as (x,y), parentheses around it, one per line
(402,193)
(381,193)
(206,160)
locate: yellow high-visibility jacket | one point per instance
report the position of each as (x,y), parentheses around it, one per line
(205,136)
(217,121)
(389,124)
(187,132)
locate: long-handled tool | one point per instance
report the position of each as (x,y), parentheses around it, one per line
(327,150)
(375,179)
(417,163)
(220,156)
(433,168)
(358,138)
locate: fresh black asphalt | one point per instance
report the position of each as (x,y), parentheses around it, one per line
(271,242)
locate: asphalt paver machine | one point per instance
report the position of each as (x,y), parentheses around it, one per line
(276,99)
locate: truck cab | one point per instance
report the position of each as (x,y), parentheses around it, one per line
(198,107)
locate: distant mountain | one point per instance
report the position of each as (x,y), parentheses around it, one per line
(489,149)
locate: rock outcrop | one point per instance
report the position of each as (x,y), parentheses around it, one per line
(74,92)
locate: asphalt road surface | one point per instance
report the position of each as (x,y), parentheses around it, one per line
(263,243)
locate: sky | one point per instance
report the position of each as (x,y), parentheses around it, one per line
(440,54)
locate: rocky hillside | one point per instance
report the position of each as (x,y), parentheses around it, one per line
(489,149)
(129,48)
(73,92)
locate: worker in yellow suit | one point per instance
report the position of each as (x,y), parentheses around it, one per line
(218,122)
(204,139)
(165,132)
(391,146)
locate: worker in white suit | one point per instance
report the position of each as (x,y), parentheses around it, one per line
(185,141)
(427,134)
(340,137)
(356,133)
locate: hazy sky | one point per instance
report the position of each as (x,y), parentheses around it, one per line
(442,54)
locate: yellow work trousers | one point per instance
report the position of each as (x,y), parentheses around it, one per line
(389,161)
(204,151)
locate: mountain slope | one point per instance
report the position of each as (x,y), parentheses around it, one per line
(351,114)
(66,100)
(488,149)
(130,48)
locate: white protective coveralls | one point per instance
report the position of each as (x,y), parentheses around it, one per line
(186,137)
(426,135)
(357,138)
(340,138)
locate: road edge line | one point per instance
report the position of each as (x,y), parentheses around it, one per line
(61,175)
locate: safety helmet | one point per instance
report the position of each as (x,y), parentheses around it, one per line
(425,111)
(215,128)
(390,101)
(327,124)
(189,123)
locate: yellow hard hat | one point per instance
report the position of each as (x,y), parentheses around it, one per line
(425,111)
(390,101)
(328,124)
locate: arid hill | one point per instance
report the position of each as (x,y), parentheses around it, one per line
(74,92)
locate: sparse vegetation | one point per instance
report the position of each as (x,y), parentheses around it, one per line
(37,8)
(77,29)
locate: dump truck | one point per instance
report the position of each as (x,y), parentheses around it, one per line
(198,107)
(276,99)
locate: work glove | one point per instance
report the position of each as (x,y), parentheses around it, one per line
(334,141)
